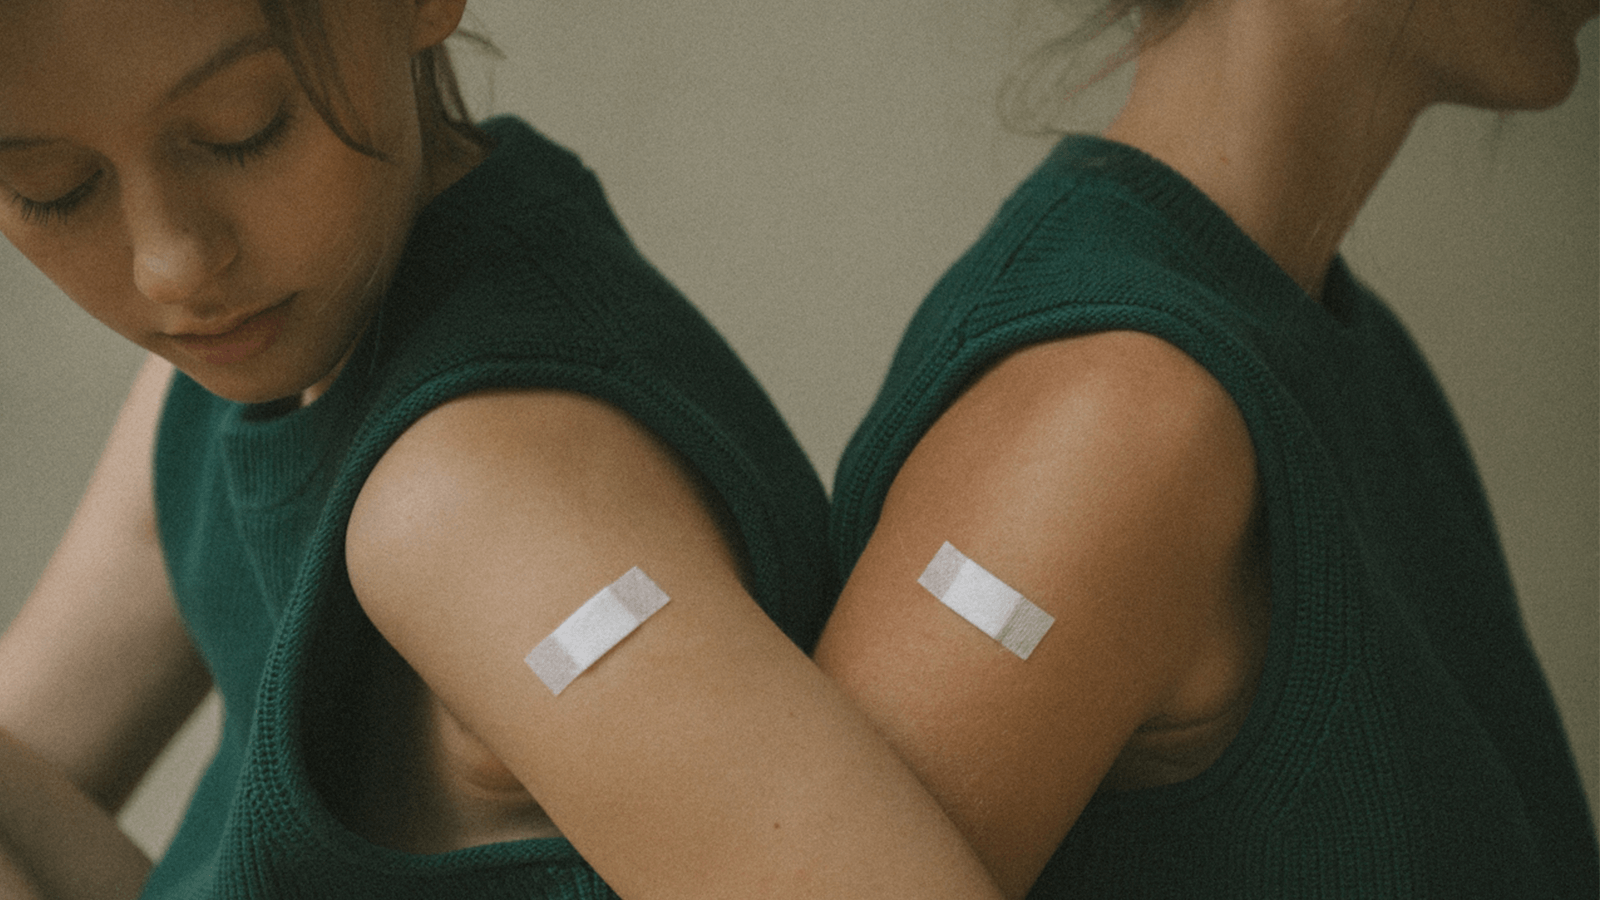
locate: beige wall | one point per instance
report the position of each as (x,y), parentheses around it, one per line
(805,171)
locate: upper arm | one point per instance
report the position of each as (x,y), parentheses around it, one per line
(1109,480)
(97,671)
(704,755)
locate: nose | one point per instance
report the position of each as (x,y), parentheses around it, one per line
(180,245)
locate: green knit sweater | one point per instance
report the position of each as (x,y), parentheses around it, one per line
(1403,743)
(517,276)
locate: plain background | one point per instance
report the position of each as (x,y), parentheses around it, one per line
(805,171)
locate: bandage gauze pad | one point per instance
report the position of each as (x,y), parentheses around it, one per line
(598,625)
(985,601)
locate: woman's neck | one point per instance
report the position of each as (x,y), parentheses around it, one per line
(1286,127)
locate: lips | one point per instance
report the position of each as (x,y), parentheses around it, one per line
(236,343)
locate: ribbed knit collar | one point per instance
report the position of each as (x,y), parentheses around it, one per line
(1250,273)
(272,458)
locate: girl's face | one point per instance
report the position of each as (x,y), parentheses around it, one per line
(161,164)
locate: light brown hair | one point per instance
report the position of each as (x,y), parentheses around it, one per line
(299,29)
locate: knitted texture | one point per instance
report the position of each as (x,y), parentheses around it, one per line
(517,276)
(1403,742)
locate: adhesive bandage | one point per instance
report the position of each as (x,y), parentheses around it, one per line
(598,625)
(985,601)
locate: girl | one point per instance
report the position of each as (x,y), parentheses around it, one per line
(428,402)
(1152,417)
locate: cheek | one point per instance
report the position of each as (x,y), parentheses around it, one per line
(330,220)
(330,214)
(92,269)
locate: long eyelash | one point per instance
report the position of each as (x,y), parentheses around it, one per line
(241,153)
(258,144)
(35,212)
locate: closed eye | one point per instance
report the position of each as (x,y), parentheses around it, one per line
(258,144)
(42,212)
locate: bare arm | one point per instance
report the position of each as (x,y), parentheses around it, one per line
(703,757)
(56,843)
(1110,481)
(96,672)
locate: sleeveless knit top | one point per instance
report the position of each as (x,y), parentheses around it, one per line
(1403,742)
(517,276)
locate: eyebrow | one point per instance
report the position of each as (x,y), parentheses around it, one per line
(244,47)
(249,45)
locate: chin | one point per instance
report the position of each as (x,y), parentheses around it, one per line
(1543,84)
(240,385)
(1536,66)
(252,393)
(1549,79)
(1552,90)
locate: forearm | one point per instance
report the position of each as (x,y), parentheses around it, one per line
(802,802)
(56,843)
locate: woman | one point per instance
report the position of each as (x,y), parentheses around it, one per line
(1265,643)
(435,430)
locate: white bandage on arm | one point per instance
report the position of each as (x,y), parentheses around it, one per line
(985,601)
(598,625)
